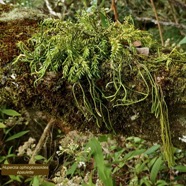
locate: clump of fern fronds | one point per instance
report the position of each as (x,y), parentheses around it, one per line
(80,49)
(90,50)
(77,49)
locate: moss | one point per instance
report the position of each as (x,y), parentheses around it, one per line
(16,24)
(5,8)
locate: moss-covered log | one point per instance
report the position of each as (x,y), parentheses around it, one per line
(90,72)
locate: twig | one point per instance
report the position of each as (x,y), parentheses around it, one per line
(159,27)
(179,4)
(41,140)
(165,23)
(114,8)
(173,11)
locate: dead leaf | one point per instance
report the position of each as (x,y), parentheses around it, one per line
(137,43)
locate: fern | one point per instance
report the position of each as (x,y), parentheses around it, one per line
(116,48)
(86,50)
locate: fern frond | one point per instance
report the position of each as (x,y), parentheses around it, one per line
(86,52)
(94,65)
(115,48)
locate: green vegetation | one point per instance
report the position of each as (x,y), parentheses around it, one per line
(130,161)
(86,70)
(90,50)
(103,160)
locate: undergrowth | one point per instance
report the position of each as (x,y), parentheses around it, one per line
(98,160)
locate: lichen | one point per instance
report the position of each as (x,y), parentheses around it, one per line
(21,14)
